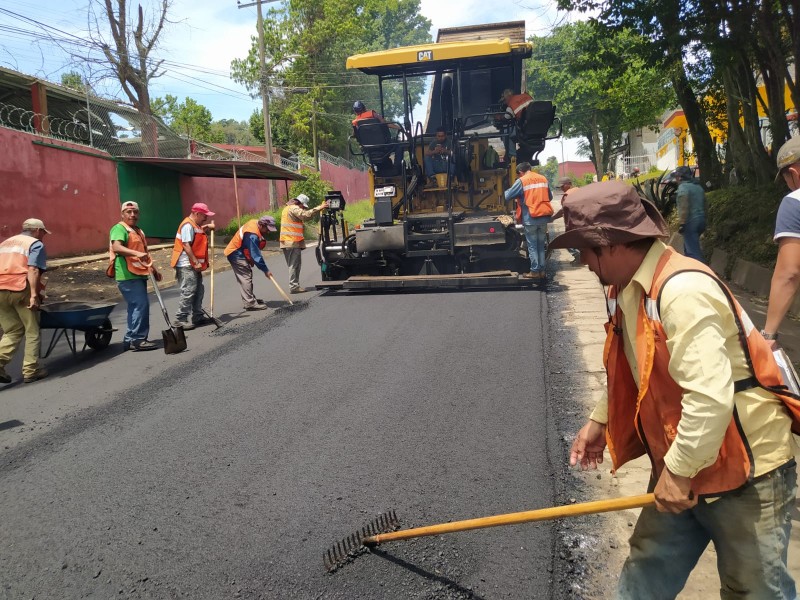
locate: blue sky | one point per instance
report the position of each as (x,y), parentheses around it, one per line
(202,39)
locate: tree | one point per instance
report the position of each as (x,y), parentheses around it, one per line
(721,50)
(187,117)
(320,35)
(73,80)
(600,83)
(126,45)
(550,170)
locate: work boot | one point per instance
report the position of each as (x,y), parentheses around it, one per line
(184,324)
(36,376)
(4,377)
(298,291)
(256,307)
(143,346)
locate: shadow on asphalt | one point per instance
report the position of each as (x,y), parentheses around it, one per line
(426,574)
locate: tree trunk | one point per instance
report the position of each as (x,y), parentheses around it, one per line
(704,146)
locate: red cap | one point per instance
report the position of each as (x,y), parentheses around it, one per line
(200,207)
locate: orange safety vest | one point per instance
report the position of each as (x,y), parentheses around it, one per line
(644,418)
(14,254)
(199,245)
(518,102)
(535,196)
(135,242)
(367,114)
(238,239)
(291,228)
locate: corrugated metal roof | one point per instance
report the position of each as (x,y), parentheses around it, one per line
(218,168)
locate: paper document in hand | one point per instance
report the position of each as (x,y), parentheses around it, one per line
(790,378)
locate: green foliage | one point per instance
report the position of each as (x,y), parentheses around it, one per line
(73,80)
(231,131)
(358,212)
(187,117)
(550,170)
(741,221)
(314,187)
(307,44)
(599,82)
(234,224)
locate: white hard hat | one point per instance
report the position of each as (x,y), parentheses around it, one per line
(303,199)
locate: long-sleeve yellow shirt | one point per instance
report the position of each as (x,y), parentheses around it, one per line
(706,358)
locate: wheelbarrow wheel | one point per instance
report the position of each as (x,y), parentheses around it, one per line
(98,338)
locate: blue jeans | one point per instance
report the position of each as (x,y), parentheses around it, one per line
(135,293)
(437,166)
(750,529)
(536,237)
(691,238)
(192,292)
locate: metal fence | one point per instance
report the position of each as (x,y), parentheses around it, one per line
(342,162)
(123,131)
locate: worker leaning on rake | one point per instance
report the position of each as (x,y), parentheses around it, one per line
(680,388)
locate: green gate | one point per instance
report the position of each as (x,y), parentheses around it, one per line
(157,191)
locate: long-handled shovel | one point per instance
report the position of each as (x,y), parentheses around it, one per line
(381,529)
(174,337)
(280,289)
(210,313)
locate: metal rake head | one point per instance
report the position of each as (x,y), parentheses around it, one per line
(356,543)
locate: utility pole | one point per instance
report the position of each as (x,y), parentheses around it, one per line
(314,130)
(263,75)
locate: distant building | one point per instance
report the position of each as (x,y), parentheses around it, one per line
(576,169)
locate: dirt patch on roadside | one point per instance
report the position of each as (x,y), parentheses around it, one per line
(87,281)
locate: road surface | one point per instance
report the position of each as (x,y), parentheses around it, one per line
(226,471)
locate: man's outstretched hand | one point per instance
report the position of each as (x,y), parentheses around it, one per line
(587,449)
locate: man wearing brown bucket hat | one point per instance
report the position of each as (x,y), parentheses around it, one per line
(692,384)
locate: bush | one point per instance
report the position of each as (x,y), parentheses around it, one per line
(741,221)
(314,187)
(231,227)
(358,212)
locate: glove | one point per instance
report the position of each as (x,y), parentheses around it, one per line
(680,228)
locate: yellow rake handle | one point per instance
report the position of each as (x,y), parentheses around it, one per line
(542,514)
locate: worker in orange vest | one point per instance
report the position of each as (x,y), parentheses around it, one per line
(190,259)
(532,194)
(244,253)
(693,385)
(292,236)
(516,104)
(23,259)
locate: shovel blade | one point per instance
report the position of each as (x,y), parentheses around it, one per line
(174,340)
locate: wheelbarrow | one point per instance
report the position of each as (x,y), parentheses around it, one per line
(67,318)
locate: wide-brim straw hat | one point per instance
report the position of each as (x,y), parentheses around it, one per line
(606,214)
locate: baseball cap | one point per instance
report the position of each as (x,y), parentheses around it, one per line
(130,204)
(201,207)
(303,199)
(788,155)
(269,222)
(506,92)
(31,224)
(564,181)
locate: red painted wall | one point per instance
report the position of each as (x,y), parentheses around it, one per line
(218,193)
(353,184)
(76,195)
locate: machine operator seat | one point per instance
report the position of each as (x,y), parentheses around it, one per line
(376,140)
(533,128)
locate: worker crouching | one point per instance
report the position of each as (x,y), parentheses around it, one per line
(244,253)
